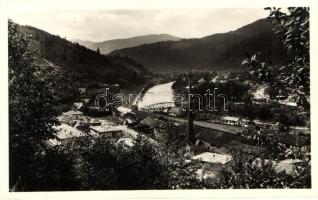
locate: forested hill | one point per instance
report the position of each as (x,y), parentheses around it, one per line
(87,65)
(224,51)
(108,46)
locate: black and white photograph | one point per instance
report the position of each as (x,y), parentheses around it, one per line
(142,99)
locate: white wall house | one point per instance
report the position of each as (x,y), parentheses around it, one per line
(108,130)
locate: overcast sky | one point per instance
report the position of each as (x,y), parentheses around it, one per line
(100,25)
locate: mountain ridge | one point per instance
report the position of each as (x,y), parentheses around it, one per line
(108,46)
(206,53)
(87,65)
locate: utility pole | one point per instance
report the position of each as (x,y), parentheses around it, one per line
(190,115)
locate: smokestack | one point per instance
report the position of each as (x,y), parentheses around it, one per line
(190,115)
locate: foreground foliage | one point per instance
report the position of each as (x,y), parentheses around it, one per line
(248,172)
(31,116)
(106,164)
(293,30)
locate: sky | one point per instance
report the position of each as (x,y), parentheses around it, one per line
(101,25)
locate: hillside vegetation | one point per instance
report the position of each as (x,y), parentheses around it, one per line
(86,65)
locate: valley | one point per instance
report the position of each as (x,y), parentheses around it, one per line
(229,110)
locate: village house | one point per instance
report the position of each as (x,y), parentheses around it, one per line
(126,115)
(64,119)
(176,112)
(211,164)
(299,130)
(234,121)
(209,157)
(123,110)
(263,124)
(108,130)
(281,97)
(70,116)
(66,134)
(74,114)
(131,118)
(288,105)
(95,122)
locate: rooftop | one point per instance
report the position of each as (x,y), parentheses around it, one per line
(230,118)
(213,157)
(123,110)
(108,128)
(73,112)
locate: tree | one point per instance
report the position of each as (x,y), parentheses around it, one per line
(98,51)
(249,107)
(106,164)
(293,30)
(53,171)
(31,116)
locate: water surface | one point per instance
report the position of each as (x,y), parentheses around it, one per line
(157,94)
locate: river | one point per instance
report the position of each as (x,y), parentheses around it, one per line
(160,93)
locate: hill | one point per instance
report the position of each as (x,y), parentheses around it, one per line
(87,66)
(108,46)
(224,51)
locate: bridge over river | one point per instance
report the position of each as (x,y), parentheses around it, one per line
(158,106)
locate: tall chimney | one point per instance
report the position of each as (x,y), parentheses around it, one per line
(190,115)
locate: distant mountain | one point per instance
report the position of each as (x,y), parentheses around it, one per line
(224,51)
(111,45)
(87,65)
